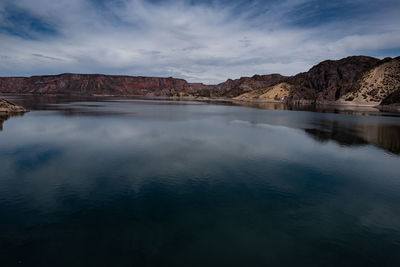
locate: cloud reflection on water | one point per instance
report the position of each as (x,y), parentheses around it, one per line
(153,179)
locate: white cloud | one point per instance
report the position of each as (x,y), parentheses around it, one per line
(207,43)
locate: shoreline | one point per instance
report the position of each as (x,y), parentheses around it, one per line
(385,108)
(305,103)
(9,108)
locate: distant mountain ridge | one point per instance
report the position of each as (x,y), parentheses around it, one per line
(358,80)
(97,84)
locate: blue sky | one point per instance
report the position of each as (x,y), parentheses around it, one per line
(207,41)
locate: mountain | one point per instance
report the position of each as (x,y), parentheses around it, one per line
(355,80)
(329,80)
(98,84)
(381,83)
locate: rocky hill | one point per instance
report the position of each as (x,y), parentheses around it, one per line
(329,80)
(377,84)
(276,93)
(356,80)
(232,88)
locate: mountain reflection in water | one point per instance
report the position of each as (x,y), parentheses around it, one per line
(365,125)
(383,136)
(135,182)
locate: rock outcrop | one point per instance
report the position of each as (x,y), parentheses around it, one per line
(6,107)
(275,93)
(233,88)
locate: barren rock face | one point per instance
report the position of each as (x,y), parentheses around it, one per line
(8,107)
(393,98)
(378,83)
(278,92)
(96,84)
(330,80)
(233,88)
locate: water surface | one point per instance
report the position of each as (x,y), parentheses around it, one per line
(131,182)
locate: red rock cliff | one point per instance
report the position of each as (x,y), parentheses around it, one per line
(97,84)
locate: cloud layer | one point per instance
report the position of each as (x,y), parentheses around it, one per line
(206,41)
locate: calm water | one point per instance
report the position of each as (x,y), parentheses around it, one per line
(112,182)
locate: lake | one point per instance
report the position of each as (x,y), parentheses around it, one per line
(133,182)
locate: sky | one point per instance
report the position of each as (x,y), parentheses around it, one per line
(201,41)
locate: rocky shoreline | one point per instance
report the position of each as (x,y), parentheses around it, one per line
(7,107)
